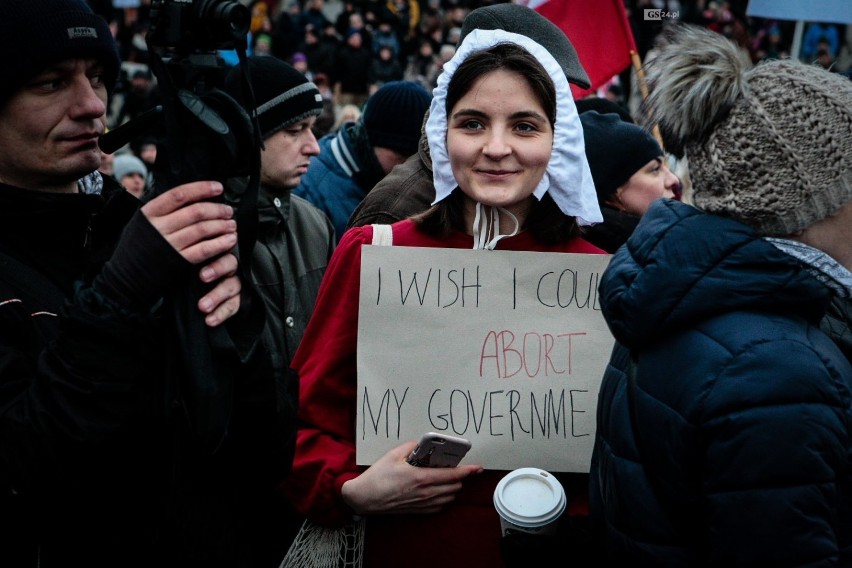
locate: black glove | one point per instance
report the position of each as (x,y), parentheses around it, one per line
(142,267)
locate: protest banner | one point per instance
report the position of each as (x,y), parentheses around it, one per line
(504,348)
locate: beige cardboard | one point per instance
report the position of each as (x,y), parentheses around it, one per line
(506,349)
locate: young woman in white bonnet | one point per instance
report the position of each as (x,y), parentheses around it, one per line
(510,174)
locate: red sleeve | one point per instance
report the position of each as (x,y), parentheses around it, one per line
(326,365)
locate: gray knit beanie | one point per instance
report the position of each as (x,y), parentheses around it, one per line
(525,21)
(126,164)
(769,145)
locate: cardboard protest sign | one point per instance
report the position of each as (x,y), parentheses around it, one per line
(506,349)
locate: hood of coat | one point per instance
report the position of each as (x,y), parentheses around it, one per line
(682,266)
(423,146)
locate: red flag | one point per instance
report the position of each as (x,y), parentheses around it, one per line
(598,30)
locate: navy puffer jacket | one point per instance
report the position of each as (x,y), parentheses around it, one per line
(743,406)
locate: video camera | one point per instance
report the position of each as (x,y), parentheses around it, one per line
(187,25)
(204,132)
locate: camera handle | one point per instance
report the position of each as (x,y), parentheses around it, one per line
(208,135)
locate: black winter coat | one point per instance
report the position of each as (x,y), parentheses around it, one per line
(742,407)
(98,463)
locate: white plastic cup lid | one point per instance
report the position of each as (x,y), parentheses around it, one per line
(529,497)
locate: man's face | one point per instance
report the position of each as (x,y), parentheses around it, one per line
(287,154)
(50,127)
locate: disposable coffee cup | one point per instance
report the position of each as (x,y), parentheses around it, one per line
(529,500)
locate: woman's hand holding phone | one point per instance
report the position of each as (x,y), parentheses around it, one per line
(439,450)
(392,485)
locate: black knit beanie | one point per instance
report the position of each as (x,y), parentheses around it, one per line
(603,106)
(35,34)
(394,115)
(282,94)
(615,150)
(525,21)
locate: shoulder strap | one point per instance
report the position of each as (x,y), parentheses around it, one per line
(29,282)
(382,235)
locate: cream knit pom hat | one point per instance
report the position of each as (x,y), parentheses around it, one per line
(769,145)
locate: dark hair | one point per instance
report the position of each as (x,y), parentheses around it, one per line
(509,57)
(547,223)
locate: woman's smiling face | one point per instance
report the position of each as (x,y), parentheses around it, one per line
(499,140)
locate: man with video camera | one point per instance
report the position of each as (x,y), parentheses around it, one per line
(100,462)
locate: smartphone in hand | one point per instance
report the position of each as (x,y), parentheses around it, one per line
(439,450)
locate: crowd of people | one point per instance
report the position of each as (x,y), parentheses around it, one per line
(349,49)
(179,353)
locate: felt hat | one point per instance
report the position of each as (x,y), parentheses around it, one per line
(525,21)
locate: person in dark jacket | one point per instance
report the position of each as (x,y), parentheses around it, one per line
(294,244)
(320,51)
(408,188)
(352,62)
(630,172)
(100,464)
(353,159)
(723,428)
(384,69)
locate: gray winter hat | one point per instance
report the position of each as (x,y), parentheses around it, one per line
(526,21)
(283,95)
(126,164)
(769,145)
